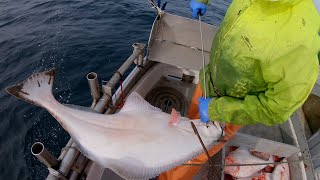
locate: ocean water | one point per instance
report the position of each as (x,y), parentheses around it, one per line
(76,37)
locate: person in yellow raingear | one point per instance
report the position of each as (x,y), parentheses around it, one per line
(263,63)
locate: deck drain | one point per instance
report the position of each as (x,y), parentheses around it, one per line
(167,98)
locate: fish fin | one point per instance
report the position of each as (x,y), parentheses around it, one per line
(174,119)
(37,89)
(135,102)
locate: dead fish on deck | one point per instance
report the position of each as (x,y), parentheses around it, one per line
(242,156)
(281,172)
(139,142)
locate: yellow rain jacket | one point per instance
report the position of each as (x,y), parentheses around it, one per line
(264,61)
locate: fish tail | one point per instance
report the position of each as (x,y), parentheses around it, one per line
(37,89)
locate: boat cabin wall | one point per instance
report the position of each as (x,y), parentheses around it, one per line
(175,40)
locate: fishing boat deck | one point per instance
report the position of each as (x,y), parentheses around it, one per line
(168,79)
(167,86)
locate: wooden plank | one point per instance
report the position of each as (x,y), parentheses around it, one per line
(263,145)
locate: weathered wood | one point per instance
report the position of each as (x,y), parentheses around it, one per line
(263,145)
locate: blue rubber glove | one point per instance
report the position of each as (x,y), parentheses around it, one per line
(197,7)
(203,109)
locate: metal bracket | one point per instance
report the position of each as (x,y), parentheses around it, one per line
(139,47)
(136,57)
(57,174)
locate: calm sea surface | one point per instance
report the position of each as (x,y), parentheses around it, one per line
(76,37)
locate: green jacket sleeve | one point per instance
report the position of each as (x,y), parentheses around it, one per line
(289,79)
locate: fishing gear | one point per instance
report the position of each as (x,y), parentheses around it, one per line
(204,63)
(203,58)
(158,6)
(202,144)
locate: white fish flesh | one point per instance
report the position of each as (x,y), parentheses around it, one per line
(138,142)
(281,172)
(242,156)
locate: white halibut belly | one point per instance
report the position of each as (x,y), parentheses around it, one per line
(140,137)
(141,143)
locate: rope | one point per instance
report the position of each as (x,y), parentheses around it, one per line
(160,12)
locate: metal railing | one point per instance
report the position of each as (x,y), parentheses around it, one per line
(136,57)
